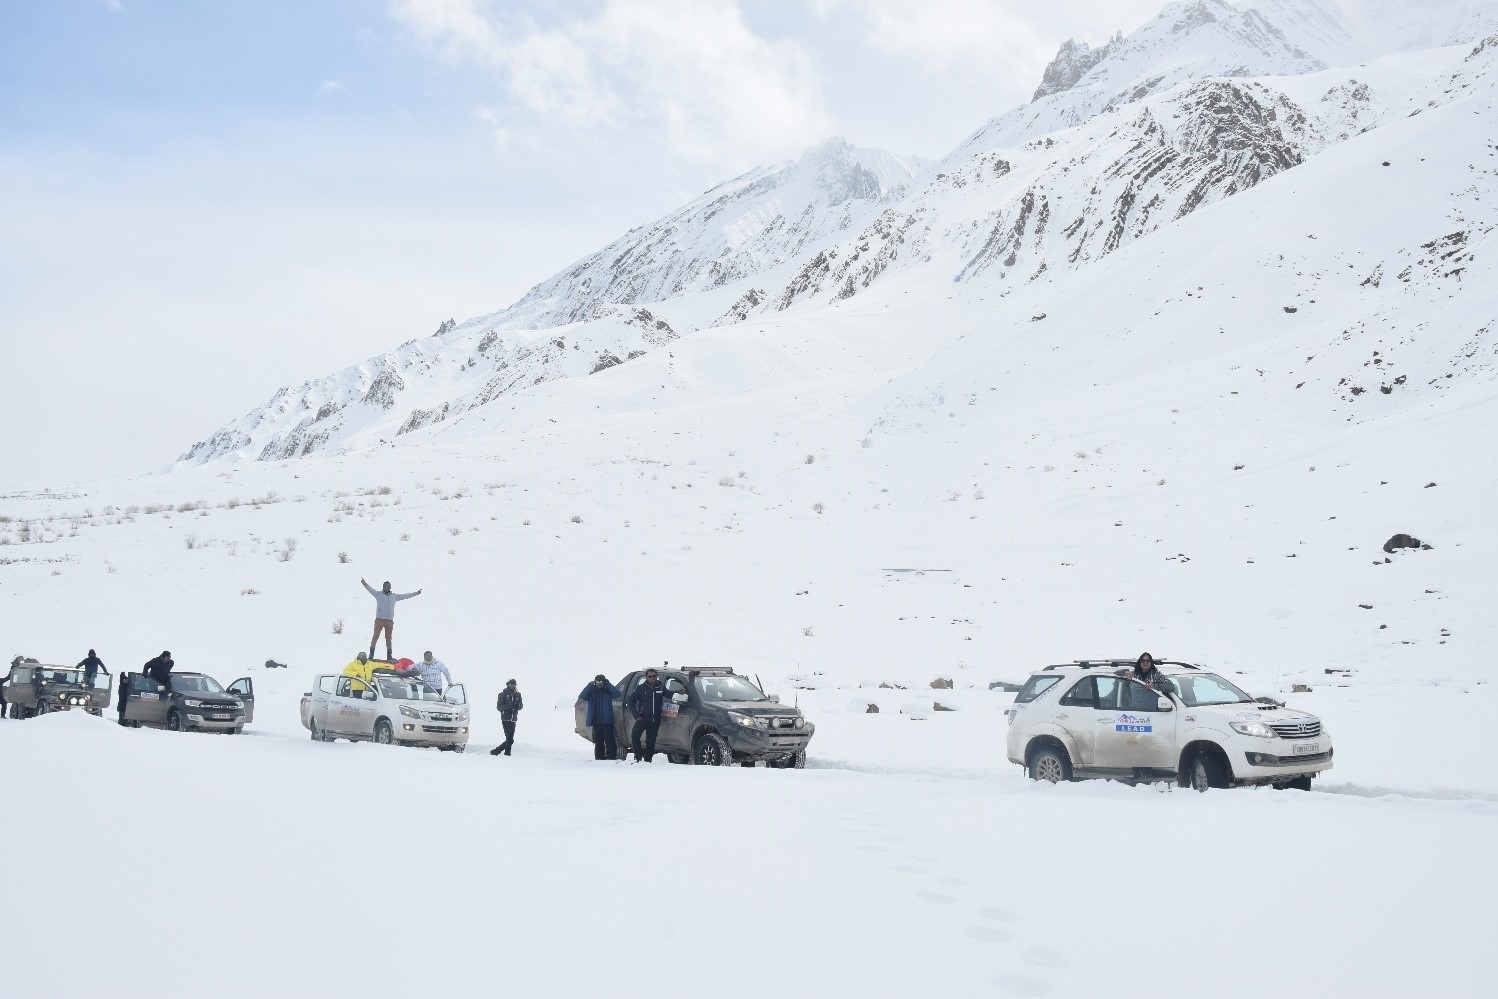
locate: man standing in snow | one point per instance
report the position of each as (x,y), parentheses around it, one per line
(509,704)
(385,602)
(434,672)
(599,696)
(648,702)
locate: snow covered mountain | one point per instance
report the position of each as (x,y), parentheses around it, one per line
(1207,101)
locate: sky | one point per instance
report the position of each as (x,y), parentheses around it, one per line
(202,202)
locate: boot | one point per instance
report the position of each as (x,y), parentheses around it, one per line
(496,750)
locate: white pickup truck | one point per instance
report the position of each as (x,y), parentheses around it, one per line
(1093,720)
(391,708)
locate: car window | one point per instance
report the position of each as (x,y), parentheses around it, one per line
(1080,696)
(343,686)
(674,685)
(1034,687)
(326,684)
(1207,688)
(727,688)
(1138,697)
(244,688)
(1107,692)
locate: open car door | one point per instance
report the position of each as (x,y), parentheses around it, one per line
(456,694)
(146,701)
(244,689)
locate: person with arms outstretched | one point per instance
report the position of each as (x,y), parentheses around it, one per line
(385,602)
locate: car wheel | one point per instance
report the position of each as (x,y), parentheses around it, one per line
(316,735)
(1296,784)
(795,761)
(679,757)
(1207,772)
(42,707)
(711,750)
(174,720)
(1050,765)
(383,733)
(460,747)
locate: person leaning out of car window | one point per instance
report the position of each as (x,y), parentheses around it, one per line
(1147,673)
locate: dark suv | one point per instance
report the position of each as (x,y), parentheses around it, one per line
(194,701)
(33,688)
(715,717)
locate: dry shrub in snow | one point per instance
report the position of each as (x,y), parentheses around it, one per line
(343,557)
(577,518)
(819,507)
(338,626)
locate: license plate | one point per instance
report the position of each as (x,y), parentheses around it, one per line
(1308,749)
(223,717)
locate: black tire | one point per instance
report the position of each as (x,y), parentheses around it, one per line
(1207,770)
(316,735)
(795,761)
(174,720)
(42,708)
(460,747)
(384,732)
(711,750)
(1050,764)
(679,758)
(1294,784)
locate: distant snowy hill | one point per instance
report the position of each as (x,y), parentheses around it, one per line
(1209,100)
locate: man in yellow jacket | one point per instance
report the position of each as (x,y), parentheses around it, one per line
(362,668)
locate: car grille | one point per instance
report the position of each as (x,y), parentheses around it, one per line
(783,722)
(437,717)
(440,729)
(1297,730)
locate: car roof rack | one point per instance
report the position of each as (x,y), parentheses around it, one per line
(1116,663)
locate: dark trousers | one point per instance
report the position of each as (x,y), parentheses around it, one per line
(651,729)
(509,743)
(605,743)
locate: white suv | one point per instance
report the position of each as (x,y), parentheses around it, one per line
(1090,719)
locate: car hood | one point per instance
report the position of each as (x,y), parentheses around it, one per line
(1267,713)
(216,701)
(757,708)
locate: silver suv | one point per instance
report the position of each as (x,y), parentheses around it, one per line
(1091,719)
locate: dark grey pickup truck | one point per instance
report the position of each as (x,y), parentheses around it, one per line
(715,717)
(194,701)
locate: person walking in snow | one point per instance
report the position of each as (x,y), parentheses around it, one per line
(648,703)
(599,696)
(92,667)
(434,672)
(385,602)
(508,704)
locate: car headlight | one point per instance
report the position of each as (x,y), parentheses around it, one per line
(463,715)
(190,703)
(800,722)
(747,721)
(410,712)
(1257,729)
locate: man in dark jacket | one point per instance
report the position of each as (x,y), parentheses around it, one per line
(599,696)
(92,667)
(124,692)
(160,669)
(648,702)
(509,704)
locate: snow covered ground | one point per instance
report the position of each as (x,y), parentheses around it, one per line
(1195,445)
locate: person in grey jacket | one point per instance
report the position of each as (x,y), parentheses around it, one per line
(385,602)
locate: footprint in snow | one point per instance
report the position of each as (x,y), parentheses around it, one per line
(955,882)
(988,934)
(998,915)
(1022,985)
(935,897)
(1045,957)
(912,869)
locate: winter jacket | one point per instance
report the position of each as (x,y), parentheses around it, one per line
(160,670)
(361,670)
(385,602)
(600,701)
(648,702)
(435,673)
(509,704)
(92,665)
(1154,679)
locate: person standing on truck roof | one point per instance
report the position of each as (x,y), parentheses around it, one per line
(648,702)
(160,669)
(508,704)
(434,672)
(385,601)
(1147,673)
(599,696)
(92,667)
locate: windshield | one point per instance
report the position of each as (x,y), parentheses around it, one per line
(406,690)
(49,674)
(1201,689)
(196,685)
(1034,687)
(727,688)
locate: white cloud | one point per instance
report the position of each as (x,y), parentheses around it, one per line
(690,74)
(331,87)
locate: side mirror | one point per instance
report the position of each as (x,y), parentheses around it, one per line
(1162,703)
(679,698)
(161,688)
(774,698)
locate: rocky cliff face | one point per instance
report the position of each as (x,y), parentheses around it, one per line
(1207,101)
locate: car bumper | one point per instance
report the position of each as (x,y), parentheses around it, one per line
(1270,767)
(208,723)
(413,732)
(769,745)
